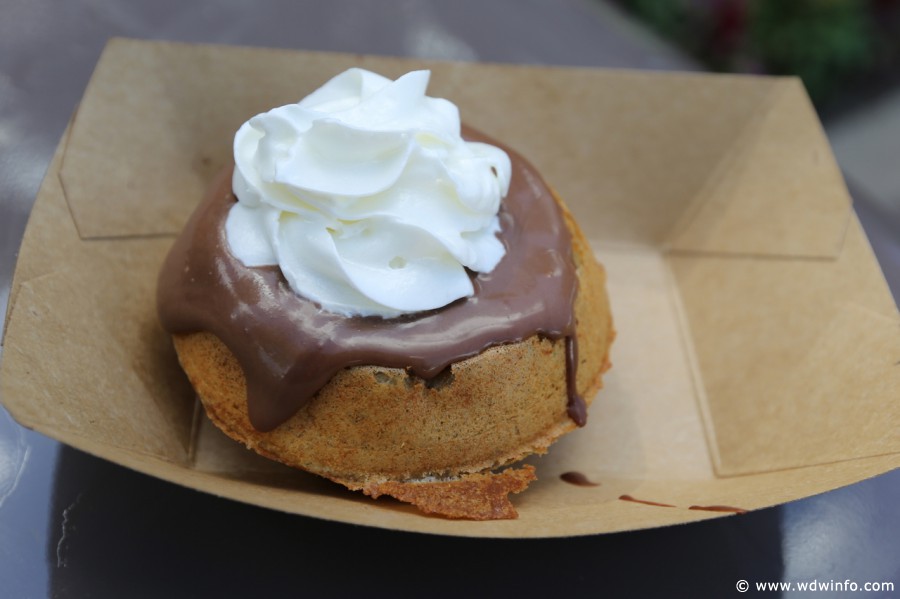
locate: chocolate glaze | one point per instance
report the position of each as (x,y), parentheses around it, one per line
(289,348)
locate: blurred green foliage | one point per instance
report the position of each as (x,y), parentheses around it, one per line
(827,43)
(821,41)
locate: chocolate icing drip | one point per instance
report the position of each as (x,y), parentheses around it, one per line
(576,407)
(289,348)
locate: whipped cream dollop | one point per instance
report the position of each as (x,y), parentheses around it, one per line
(367,197)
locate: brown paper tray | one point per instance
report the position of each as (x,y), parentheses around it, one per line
(758,349)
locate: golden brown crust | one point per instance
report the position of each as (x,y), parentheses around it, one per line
(376,429)
(478,496)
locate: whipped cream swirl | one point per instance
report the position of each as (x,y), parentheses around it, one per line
(367,197)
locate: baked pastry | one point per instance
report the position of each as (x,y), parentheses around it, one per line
(422,391)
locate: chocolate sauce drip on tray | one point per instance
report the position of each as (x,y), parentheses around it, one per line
(644,501)
(718,508)
(289,348)
(578,479)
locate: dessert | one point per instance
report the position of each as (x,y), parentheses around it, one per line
(381,296)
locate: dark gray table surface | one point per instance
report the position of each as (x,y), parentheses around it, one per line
(75,526)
